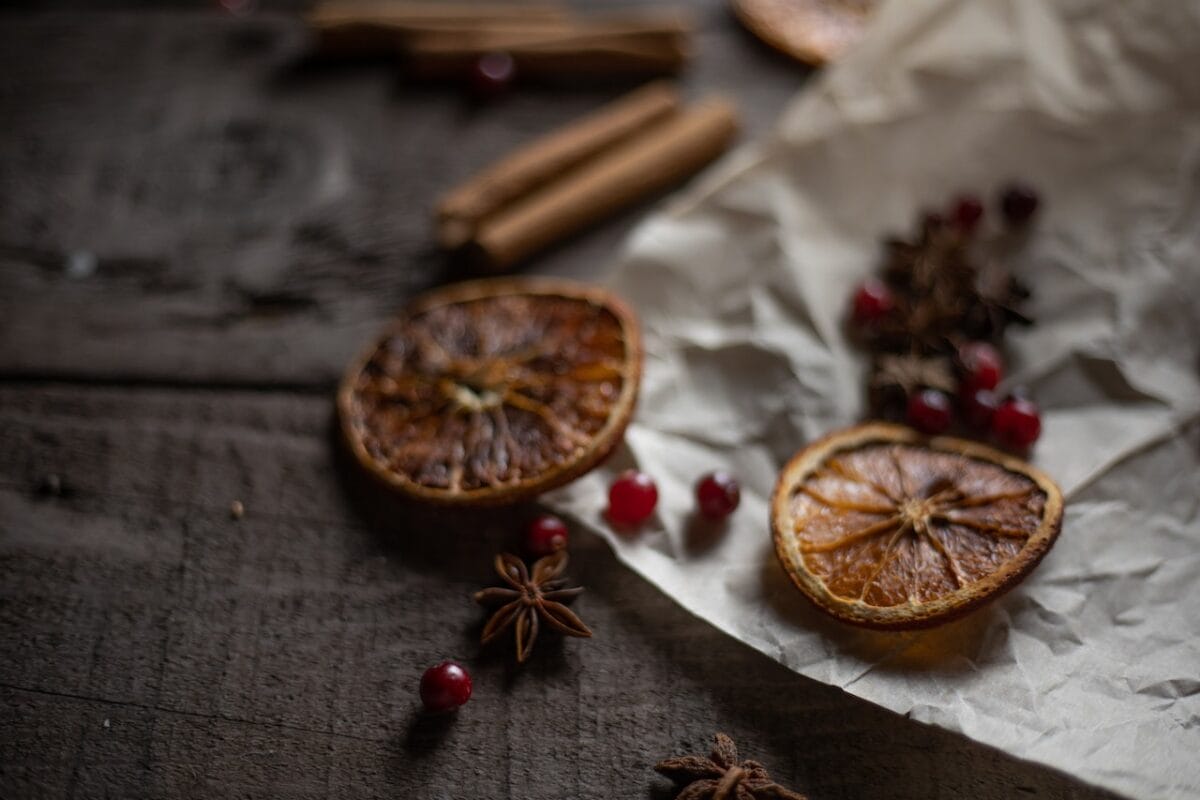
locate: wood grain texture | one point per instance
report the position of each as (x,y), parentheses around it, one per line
(252,218)
(252,223)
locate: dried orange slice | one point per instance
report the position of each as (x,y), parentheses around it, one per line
(884,528)
(492,391)
(812,31)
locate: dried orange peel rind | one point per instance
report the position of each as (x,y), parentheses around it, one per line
(812,31)
(489,392)
(884,528)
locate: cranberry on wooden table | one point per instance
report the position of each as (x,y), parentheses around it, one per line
(717,495)
(445,686)
(546,534)
(632,497)
(492,74)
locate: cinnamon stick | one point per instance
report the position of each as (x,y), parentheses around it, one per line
(362,28)
(652,160)
(461,210)
(600,47)
(441,41)
(399,11)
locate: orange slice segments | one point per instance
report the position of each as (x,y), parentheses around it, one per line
(884,528)
(493,391)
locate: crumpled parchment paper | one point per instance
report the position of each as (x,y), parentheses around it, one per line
(1092,665)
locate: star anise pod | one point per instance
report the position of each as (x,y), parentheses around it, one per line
(933,280)
(939,254)
(530,599)
(895,378)
(722,777)
(995,297)
(934,320)
(927,324)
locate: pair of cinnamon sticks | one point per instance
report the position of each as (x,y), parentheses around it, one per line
(642,143)
(440,40)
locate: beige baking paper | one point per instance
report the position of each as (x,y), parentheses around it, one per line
(1093,664)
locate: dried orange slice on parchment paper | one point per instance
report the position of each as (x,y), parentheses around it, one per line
(882,527)
(493,391)
(812,31)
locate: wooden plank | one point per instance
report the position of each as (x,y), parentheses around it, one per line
(182,204)
(156,647)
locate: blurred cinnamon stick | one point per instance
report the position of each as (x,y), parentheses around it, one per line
(440,41)
(461,210)
(650,161)
(642,45)
(363,28)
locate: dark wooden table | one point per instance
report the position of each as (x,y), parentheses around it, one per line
(195,234)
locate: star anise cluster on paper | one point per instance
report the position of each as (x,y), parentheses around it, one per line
(722,776)
(945,292)
(531,598)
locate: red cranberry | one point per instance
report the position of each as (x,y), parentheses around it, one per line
(1017,423)
(545,535)
(717,495)
(978,407)
(872,301)
(982,365)
(1018,203)
(445,687)
(967,212)
(930,411)
(492,74)
(632,497)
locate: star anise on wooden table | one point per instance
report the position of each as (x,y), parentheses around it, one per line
(531,597)
(722,777)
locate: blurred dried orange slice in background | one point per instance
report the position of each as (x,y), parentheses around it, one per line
(812,31)
(884,528)
(493,391)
